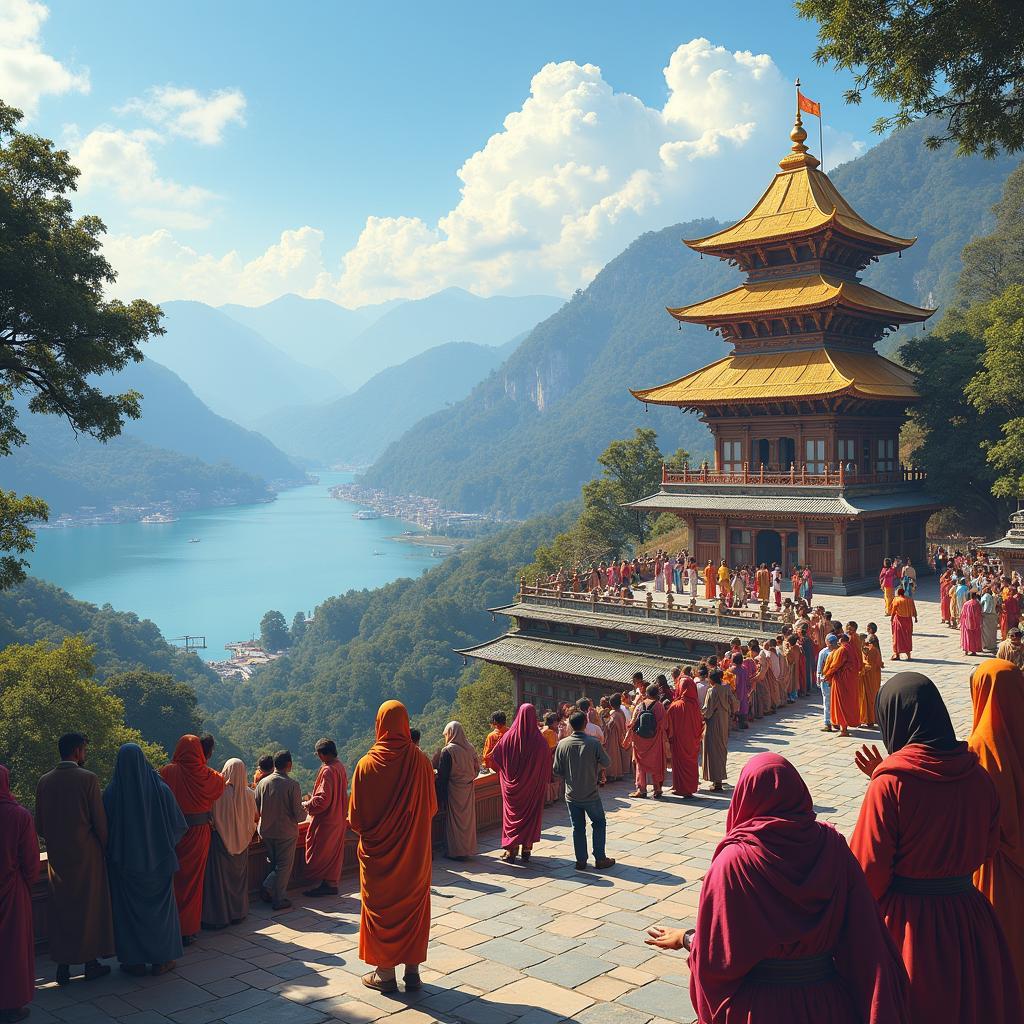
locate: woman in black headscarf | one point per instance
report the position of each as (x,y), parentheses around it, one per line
(930,817)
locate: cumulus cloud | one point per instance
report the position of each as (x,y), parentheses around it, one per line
(188,113)
(120,164)
(570,179)
(26,72)
(158,267)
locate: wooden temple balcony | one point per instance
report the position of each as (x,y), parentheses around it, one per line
(843,475)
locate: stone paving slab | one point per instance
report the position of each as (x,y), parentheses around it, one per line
(518,944)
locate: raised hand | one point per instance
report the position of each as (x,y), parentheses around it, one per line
(665,938)
(867,759)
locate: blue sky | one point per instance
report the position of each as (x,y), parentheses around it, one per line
(331,113)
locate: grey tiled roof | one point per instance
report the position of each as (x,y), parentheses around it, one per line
(786,504)
(571,659)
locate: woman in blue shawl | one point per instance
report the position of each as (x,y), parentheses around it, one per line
(145,824)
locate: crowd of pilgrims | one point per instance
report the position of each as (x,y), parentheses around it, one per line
(661,572)
(917,919)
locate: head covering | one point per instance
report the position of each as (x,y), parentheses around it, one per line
(234,813)
(522,759)
(460,749)
(194,784)
(780,880)
(910,709)
(143,820)
(521,744)
(686,691)
(997,692)
(6,797)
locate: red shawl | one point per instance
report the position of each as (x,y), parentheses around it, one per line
(686,725)
(522,760)
(783,886)
(195,785)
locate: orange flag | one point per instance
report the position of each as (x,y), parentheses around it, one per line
(806,105)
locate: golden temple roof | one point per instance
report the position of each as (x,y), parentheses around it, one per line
(803,374)
(800,201)
(790,296)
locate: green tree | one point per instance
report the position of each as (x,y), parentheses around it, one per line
(57,332)
(298,630)
(997,386)
(46,691)
(274,635)
(953,436)
(960,60)
(995,261)
(494,690)
(16,534)
(161,708)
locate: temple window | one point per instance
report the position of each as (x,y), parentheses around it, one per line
(886,461)
(814,450)
(732,456)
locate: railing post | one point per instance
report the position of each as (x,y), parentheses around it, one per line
(842,473)
(746,472)
(522,585)
(650,603)
(668,601)
(664,473)
(762,472)
(792,472)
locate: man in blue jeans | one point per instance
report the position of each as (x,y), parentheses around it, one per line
(578,761)
(831,643)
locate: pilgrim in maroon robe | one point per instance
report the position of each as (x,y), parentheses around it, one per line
(522,759)
(787,929)
(19,868)
(686,726)
(930,818)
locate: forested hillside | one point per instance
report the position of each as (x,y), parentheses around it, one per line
(355,429)
(528,436)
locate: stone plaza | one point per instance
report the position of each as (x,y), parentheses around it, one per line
(534,943)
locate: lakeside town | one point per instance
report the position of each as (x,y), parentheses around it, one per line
(417,509)
(246,657)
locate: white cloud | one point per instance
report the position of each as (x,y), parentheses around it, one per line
(572,177)
(26,72)
(188,113)
(120,164)
(156,266)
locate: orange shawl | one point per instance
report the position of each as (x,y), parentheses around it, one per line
(194,784)
(391,808)
(997,692)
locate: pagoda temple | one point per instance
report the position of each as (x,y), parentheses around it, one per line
(805,414)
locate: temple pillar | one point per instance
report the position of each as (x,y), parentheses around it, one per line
(839,549)
(801,542)
(863,551)
(784,537)
(723,539)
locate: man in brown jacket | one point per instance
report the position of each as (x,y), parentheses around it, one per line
(71,820)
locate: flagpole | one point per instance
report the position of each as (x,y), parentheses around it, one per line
(821,142)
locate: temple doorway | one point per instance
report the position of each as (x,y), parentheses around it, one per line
(787,453)
(769,548)
(762,453)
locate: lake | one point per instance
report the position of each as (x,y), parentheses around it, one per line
(288,554)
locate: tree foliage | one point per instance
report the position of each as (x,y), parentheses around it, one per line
(17,537)
(159,707)
(274,635)
(960,60)
(298,630)
(46,691)
(493,690)
(995,261)
(57,332)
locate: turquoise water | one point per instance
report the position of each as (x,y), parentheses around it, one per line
(289,554)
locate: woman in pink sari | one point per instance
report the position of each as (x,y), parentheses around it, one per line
(522,759)
(944,611)
(970,624)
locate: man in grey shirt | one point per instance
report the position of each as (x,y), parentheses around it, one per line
(578,760)
(279,801)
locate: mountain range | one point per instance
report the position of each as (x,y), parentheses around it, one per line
(528,435)
(355,429)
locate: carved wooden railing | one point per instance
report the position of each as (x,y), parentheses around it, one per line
(488,815)
(793,476)
(676,609)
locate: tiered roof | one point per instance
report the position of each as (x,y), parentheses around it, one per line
(802,323)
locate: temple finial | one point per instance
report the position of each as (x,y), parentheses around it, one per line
(798,156)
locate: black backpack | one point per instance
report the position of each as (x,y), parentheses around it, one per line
(646,725)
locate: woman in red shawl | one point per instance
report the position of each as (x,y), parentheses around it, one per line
(196,787)
(19,868)
(930,818)
(997,692)
(391,809)
(522,759)
(787,929)
(686,727)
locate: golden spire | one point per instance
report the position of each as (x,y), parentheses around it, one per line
(798,156)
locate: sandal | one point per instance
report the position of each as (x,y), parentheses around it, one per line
(377,983)
(637,795)
(412,981)
(508,857)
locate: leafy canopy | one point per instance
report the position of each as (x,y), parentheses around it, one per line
(995,261)
(156,704)
(57,332)
(274,635)
(46,691)
(959,60)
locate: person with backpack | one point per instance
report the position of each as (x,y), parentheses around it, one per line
(648,731)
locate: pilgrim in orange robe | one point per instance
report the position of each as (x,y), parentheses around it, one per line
(709,581)
(997,691)
(870,681)
(902,626)
(325,837)
(391,808)
(196,787)
(842,670)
